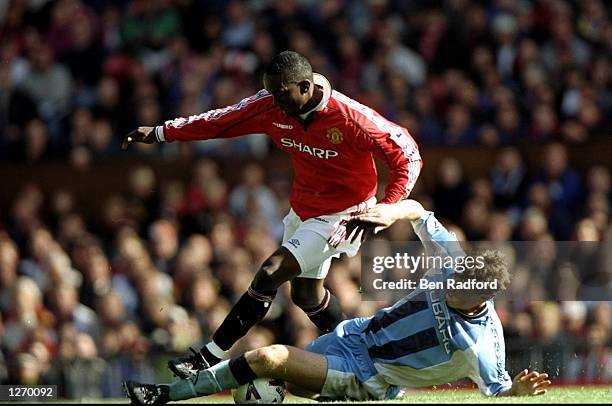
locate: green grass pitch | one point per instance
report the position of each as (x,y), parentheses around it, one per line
(578,395)
(554,395)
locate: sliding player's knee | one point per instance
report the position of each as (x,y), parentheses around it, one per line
(305,299)
(269,358)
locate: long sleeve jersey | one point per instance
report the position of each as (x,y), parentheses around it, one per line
(332,149)
(422,341)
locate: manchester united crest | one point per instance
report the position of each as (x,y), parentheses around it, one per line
(334,136)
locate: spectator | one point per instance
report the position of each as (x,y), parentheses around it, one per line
(459,128)
(148,26)
(450,187)
(25,314)
(16,109)
(63,299)
(9,264)
(163,237)
(40,244)
(553,353)
(50,85)
(252,199)
(593,363)
(82,374)
(563,185)
(508,179)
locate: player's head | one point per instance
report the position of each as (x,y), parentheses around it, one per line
(485,276)
(288,77)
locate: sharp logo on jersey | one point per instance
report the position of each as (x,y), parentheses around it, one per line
(334,136)
(283,126)
(314,151)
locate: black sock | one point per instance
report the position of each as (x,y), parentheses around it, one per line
(326,315)
(248,311)
(241,370)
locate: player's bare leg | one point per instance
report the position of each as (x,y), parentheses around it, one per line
(287,363)
(279,268)
(274,361)
(318,303)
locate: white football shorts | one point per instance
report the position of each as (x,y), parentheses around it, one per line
(316,241)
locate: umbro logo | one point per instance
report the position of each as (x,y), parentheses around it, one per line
(295,242)
(283,126)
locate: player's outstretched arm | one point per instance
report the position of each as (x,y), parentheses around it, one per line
(141,134)
(382,216)
(528,384)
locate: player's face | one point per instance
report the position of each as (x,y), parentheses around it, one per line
(462,301)
(290,97)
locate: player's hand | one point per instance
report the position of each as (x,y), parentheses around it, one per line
(357,229)
(374,220)
(530,383)
(141,134)
(382,216)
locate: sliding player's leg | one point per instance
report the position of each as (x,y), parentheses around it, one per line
(336,365)
(275,361)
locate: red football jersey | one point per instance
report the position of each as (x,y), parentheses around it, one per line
(332,153)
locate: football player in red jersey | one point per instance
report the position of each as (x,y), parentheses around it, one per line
(332,140)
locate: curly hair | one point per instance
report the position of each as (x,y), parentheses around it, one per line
(489,268)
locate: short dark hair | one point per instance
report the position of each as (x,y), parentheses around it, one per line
(292,66)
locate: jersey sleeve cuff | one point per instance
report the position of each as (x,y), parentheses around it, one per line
(422,219)
(159,133)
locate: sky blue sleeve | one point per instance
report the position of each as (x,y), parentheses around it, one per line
(492,359)
(435,237)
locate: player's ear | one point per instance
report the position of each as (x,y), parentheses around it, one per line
(304,86)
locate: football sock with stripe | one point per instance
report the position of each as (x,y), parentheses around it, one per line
(225,375)
(248,311)
(212,353)
(328,314)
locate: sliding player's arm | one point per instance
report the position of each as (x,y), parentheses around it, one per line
(435,237)
(231,121)
(491,375)
(527,383)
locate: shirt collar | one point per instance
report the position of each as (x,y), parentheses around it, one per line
(321,81)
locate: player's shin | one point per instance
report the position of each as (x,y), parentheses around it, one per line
(328,314)
(225,375)
(248,311)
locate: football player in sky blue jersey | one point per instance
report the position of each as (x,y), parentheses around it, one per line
(430,337)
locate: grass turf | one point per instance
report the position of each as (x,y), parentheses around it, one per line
(598,394)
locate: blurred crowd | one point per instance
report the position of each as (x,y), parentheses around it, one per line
(78,74)
(87,301)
